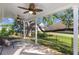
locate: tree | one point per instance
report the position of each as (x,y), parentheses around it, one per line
(48,21)
(4,32)
(18,26)
(66,17)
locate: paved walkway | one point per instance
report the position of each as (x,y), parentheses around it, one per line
(23,48)
(39,50)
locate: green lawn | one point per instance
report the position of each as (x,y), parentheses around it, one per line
(58,41)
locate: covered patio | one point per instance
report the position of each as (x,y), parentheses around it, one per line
(11,10)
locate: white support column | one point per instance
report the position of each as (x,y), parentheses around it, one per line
(24,29)
(36,31)
(75,40)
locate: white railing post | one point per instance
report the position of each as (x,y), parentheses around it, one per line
(36,31)
(75,40)
(24,29)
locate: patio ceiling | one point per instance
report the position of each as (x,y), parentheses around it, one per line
(11,10)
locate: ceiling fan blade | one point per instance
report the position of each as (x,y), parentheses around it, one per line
(38,10)
(34,13)
(22,8)
(26,12)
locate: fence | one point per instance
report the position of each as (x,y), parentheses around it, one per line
(61,43)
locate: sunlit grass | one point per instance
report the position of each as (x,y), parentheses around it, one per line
(59,42)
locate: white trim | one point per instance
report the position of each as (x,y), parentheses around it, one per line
(24,29)
(36,31)
(75,40)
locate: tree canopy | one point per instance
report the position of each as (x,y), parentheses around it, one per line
(66,16)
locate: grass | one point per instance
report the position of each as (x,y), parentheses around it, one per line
(60,42)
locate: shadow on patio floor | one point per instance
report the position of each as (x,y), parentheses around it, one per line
(23,48)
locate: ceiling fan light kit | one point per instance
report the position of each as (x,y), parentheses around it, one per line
(30,12)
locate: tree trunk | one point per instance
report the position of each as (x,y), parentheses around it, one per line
(40,28)
(29,28)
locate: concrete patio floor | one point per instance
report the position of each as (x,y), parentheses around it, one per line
(23,48)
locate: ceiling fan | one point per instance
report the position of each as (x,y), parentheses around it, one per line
(31,9)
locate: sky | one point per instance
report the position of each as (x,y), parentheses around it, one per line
(55,21)
(6,21)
